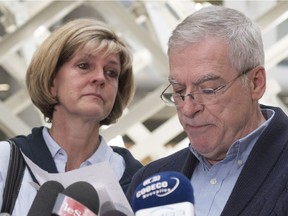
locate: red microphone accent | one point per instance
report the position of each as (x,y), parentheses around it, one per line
(66,206)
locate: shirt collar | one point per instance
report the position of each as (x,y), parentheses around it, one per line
(241,148)
(53,147)
(103,152)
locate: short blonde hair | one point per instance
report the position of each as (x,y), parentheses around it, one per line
(60,47)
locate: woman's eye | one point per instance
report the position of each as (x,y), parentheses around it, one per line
(112,73)
(83,65)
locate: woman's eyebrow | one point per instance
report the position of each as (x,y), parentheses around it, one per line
(114,62)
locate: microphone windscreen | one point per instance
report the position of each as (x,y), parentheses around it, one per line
(45,199)
(84,193)
(106,206)
(164,188)
(109,209)
(113,213)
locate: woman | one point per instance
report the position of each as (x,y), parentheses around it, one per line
(80,78)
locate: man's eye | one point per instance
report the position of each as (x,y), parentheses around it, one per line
(177,88)
(207,91)
(180,92)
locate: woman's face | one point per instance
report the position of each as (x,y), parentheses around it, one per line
(86,86)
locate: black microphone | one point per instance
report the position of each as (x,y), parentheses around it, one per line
(109,209)
(113,213)
(45,199)
(79,198)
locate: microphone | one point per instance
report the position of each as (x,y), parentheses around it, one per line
(113,213)
(109,209)
(166,193)
(45,198)
(79,198)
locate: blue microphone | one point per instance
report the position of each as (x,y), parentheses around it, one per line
(166,193)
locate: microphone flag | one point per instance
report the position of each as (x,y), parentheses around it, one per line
(66,206)
(166,193)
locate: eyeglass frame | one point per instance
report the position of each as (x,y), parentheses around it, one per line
(212,91)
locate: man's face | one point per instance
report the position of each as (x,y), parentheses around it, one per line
(212,126)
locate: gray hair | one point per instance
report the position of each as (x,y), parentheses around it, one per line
(242,34)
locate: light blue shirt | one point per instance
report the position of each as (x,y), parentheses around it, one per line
(103,153)
(213,185)
(27,192)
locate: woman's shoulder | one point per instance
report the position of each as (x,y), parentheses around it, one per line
(4,151)
(4,159)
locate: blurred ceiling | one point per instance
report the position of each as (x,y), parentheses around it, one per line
(148,128)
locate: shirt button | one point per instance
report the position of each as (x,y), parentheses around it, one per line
(239,162)
(213,181)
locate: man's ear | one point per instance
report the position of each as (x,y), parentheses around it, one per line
(257,79)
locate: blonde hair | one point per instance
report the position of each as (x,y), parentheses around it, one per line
(60,47)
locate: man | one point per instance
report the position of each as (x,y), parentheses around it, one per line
(237,158)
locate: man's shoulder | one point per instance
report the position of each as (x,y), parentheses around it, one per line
(132,164)
(172,158)
(173,162)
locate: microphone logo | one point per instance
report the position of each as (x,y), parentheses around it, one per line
(71,207)
(170,190)
(159,188)
(168,193)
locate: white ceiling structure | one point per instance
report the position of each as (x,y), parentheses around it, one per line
(148,128)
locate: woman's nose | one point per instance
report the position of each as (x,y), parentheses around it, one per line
(98,76)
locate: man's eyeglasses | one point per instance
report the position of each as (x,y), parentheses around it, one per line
(201,96)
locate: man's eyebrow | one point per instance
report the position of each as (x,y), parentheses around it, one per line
(206,78)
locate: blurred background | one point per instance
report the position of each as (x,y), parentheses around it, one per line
(148,128)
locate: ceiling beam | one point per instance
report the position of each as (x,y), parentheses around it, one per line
(10,123)
(273,17)
(48,16)
(123,21)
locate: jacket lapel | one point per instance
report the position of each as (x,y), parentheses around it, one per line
(258,166)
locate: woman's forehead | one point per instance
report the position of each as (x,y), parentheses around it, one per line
(89,50)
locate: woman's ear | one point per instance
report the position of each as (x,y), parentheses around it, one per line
(53,88)
(257,79)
